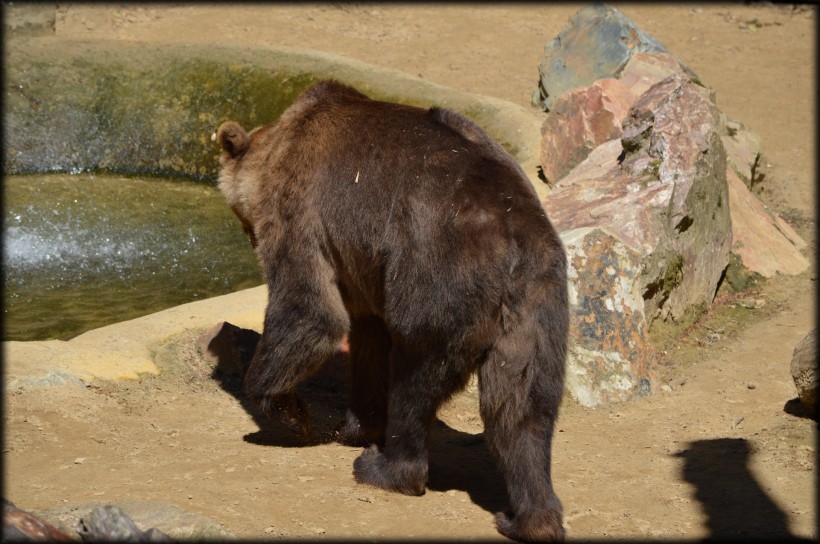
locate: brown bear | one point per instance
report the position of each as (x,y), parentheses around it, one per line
(415,234)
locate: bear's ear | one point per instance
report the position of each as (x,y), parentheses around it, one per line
(233,139)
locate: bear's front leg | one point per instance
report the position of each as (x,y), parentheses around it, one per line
(405,476)
(289,410)
(304,322)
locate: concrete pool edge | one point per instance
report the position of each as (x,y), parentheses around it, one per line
(124,350)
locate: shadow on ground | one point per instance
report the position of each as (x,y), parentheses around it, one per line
(735,504)
(795,407)
(458,460)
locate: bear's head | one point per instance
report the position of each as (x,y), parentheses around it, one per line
(235,184)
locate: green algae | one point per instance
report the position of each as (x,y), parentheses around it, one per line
(151,111)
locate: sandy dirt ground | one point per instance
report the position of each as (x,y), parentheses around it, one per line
(723,451)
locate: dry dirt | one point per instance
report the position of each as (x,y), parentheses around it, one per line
(724,452)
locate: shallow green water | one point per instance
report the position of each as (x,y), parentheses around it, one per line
(83,251)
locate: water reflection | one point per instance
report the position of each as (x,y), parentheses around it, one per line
(83,251)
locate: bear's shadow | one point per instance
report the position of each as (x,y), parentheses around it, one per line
(458,460)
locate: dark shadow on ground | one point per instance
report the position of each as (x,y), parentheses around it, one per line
(733,501)
(462,461)
(796,408)
(458,460)
(325,393)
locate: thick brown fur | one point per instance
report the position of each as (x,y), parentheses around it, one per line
(421,238)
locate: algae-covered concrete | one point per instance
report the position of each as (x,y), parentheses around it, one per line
(147,109)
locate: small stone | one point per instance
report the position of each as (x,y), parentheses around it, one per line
(737,422)
(269,530)
(318,530)
(677,382)
(79,460)
(751,385)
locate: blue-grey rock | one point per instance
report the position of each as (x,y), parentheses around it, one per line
(52,378)
(168,519)
(598,43)
(109,523)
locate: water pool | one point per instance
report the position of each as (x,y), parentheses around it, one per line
(82,251)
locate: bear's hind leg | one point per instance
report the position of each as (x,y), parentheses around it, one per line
(366,417)
(520,389)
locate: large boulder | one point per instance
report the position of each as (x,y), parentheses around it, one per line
(585,117)
(650,186)
(672,132)
(598,43)
(662,191)
(645,220)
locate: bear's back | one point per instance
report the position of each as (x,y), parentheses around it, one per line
(417,197)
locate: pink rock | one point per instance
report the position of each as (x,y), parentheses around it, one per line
(580,120)
(675,126)
(787,231)
(600,193)
(645,69)
(662,192)
(645,221)
(758,237)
